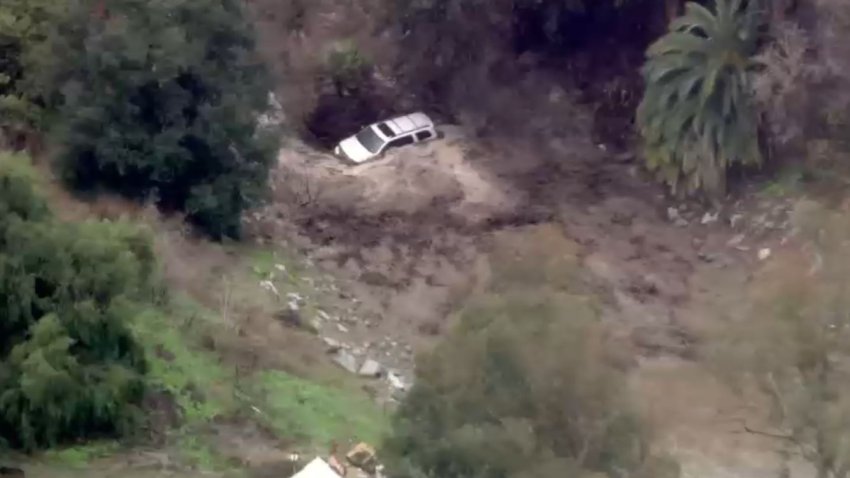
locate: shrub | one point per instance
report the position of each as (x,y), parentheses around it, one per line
(69,366)
(522,388)
(22,24)
(346,67)
(697,116)
(795,344)
(160,99)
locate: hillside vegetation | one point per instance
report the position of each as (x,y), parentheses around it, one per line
(71,368)
(631,149)
(156,100)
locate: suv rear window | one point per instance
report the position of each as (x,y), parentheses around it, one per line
(386,130)
(423,135)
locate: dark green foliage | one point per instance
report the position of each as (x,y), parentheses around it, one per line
(697,116)
(69,366)
(523,388)
(22,24)
(442,37)
(159,100)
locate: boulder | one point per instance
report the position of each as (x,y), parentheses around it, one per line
(346,360)
(370,368)
(397,382)
(332,345)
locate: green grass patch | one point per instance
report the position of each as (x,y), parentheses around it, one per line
(787,183)
(315,414)
(266,264)
(80,456)
(197,451)
(296,409)
(201,386)
(197,381)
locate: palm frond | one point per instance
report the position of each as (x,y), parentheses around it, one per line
(696,118)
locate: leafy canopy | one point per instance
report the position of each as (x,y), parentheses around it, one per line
(697,116)
(69,366)
(23,25)
(158,100)
(523,388)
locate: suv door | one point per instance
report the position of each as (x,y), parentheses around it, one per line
(399,142)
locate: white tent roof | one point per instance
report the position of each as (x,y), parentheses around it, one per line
(317,468)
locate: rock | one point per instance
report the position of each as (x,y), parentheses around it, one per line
(346,360)
(735,241)
(735,219)
(396,382)
(342,328)
(707,257)
(764,254)
(333,345)
(280,267)
(709,218)
(269,286)
(673,214)
(370,368)
(324,315)
(313,326)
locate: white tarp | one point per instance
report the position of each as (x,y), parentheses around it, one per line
(317,468)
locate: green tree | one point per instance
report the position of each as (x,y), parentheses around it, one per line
(23,26)
(69,365)
(697,116)
(443,38)
(159,100)
(523,388)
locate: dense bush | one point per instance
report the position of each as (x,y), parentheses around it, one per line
(158,100)
(697,116)
(523,388)
(445,36)
(22,24)
(69,366)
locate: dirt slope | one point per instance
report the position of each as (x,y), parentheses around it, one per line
(410,236)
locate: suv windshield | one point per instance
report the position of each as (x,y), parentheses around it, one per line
(370,140)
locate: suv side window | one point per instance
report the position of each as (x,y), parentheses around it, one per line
(423,135)
(399,142)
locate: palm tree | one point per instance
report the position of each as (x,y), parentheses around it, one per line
(697,117)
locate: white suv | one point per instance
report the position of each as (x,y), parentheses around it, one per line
(377,138)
